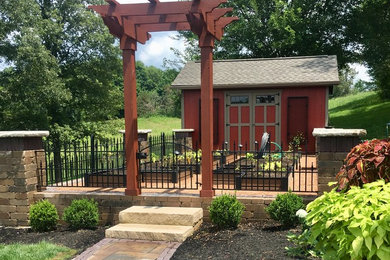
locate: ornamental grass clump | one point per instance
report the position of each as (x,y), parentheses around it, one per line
(367,162)
(43,216)
(284,208)
(352,225)
(82,214)
(226,211)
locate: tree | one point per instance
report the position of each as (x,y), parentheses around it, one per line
(361,86)
(64,66)
(354,30)
(347,76)
(154,95)
(277,28)
(370,32)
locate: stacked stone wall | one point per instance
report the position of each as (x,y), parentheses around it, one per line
(111,204)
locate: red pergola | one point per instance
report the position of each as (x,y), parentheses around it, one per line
(132,23)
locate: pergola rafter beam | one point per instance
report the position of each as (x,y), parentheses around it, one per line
(113,26)
(165,27)
(158,9)
(220,25)
(170,18)
(165,16)
(113,2)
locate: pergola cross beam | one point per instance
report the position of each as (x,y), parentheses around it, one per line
(133,23)
(174,15)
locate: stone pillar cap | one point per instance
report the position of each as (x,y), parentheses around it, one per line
(140,131)
(334,132)
(23,134)
(183,130)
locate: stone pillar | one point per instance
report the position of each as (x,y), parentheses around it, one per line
(184,138)
(21,153)
(332,147)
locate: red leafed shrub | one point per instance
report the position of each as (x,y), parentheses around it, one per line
(367,162)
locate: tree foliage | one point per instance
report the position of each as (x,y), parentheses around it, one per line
(370,31)
(154,95)
(354,30)
(64,66)
(346,86)
(277,28)
(64,70)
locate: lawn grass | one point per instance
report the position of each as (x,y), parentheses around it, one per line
(40,251)
(158,125)
(363,110)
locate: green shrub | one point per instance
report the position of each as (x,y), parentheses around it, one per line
(43,216)
(284,208)
(367,162)
(226,211)
(352,225)
(81,214)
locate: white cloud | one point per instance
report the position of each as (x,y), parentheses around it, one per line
(362,72)
(158,48)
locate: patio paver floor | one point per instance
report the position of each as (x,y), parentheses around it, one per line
(121,249)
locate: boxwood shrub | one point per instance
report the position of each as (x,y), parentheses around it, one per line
(43,216)
(226,211)
(284,209)
(352,225)
(82,214)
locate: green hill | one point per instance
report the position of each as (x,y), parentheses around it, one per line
(363,110)
(158,125)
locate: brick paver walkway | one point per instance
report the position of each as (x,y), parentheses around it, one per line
(126,249)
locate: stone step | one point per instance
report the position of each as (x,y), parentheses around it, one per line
(161,215)
(172,233)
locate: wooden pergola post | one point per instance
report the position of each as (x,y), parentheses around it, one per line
(131,23)
(129,46)
(206,45)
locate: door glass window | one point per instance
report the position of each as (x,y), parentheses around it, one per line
(265,99)
(239,100)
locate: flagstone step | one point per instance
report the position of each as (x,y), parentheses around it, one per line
(161,215)
(172,233)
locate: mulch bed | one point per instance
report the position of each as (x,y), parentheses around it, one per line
(248,241)
(78,240)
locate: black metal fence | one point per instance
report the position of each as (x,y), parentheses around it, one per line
(163,162)
(169,163)
(86,163)
(264,169)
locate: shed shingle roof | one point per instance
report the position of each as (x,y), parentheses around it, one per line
(286,71)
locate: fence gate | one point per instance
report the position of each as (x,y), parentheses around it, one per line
(168,163)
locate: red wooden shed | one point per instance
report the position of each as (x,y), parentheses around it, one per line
(281,96)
